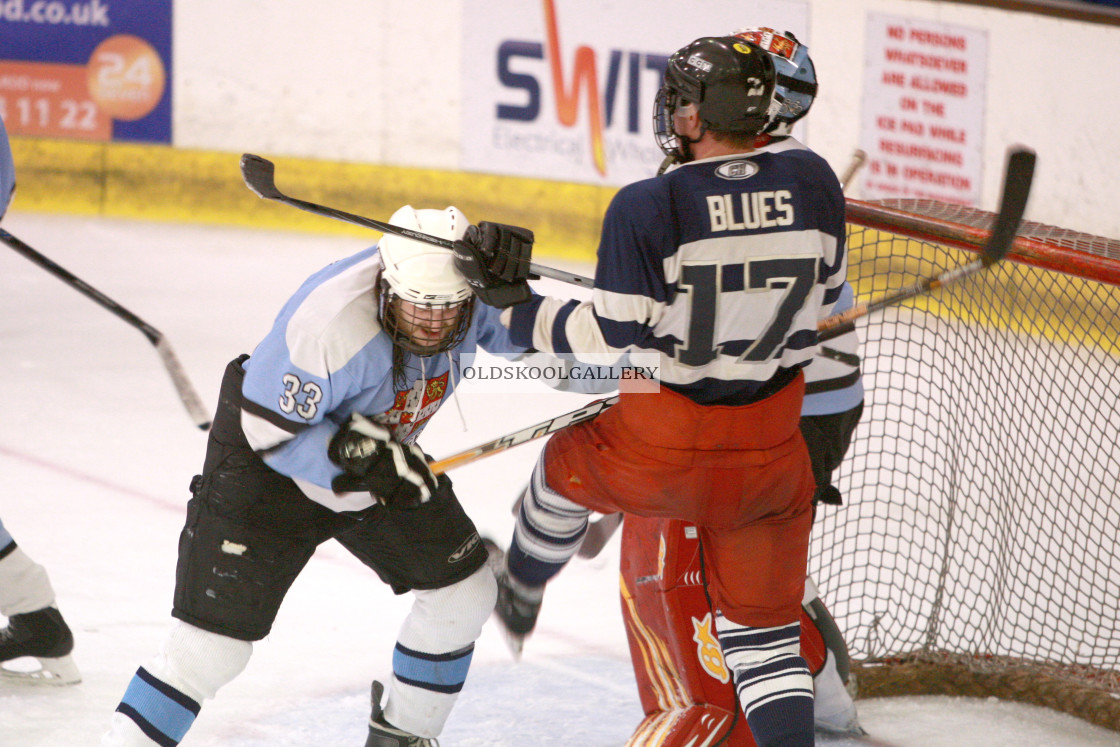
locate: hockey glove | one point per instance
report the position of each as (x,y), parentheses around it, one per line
(395,474)
(494,258)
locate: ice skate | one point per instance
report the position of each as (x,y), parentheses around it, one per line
(43,635)
(518,605)
(384,734)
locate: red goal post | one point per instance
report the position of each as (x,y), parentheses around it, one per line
(978,551)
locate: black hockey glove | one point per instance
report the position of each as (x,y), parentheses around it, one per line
(395,474)
(494,258)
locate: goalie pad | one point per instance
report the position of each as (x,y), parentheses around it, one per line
(686,689)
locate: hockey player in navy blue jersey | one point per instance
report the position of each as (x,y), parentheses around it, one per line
(723,265)
(314,438)
(35,626)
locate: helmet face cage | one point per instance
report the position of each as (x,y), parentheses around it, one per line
(667,101)
(796,86)
(407,320)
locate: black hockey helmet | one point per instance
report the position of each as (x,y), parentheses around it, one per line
(729,79)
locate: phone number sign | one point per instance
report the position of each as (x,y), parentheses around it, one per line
(86,69)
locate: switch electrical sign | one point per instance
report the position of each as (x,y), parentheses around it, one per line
(922,123)
(86,69)
(564,89)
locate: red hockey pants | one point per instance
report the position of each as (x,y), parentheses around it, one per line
(740,474)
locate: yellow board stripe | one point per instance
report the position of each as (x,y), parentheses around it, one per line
(162,183)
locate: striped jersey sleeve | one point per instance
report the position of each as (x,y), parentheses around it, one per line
(833,382)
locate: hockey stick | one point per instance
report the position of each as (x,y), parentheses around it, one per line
(531,433)
(171,362)
(859,157)
(1016,189)
(1013,202)
(260,176)
(1017,181)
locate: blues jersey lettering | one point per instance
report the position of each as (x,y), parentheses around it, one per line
(750,210)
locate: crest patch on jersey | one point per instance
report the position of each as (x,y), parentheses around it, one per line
(413,407)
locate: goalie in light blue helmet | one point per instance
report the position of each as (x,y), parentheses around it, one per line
(796,84)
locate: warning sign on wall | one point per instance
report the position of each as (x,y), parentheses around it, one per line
(922,123)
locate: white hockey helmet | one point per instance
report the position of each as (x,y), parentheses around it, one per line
(419,272)
(425,276)
(796,77)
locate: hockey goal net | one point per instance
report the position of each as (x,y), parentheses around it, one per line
(978,552)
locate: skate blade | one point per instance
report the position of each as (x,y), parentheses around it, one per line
(841,723)
(847,730)
(52,672)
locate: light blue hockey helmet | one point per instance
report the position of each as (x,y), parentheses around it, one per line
(7,171)
(797,78)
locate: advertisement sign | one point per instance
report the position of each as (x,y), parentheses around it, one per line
(922,124)
(564,90)
(86,69)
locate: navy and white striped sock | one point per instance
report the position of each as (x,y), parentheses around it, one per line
(549,530)
(773,682)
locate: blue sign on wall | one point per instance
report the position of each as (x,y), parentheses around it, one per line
(86,69)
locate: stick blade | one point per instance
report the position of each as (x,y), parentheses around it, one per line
(183,387)
(260,176)
(1017,180)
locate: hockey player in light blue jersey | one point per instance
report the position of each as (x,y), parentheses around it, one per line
(314,438)
(35,626)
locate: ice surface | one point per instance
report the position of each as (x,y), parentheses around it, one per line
(96,453)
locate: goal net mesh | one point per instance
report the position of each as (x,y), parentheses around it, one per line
(978,550)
